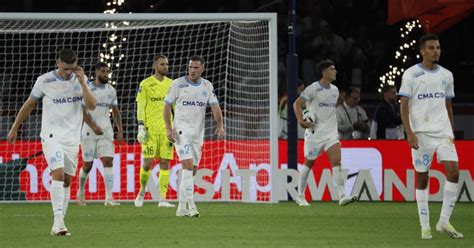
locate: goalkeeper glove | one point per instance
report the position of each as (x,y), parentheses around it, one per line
(141,136)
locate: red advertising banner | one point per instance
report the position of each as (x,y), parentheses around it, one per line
(219,175)
(240,170)
(390,167)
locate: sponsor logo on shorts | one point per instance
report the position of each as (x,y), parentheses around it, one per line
(418,162)
(58,157)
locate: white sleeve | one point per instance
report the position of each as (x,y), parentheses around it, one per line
(407,85)
(307,93)
(114,97)
(212,95)
(450,87)
(37,92)
(172,95)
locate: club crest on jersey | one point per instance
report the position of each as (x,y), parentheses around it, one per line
(77,88)
(204,94)
(444,82)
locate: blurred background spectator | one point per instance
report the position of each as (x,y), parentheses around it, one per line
(387,122)
(352,120)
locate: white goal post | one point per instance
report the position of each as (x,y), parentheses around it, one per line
(240,50)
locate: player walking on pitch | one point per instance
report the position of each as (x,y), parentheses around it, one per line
(63,92)
(191,94)
(427,115)
(321,98)
(152,130)
(98,135)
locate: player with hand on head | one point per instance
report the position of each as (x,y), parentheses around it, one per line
(63,92)
(152,129)
(320,99)
(191,95)
(427,116)
(98,134)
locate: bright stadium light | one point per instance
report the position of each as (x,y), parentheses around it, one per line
(401,56)
(110,45)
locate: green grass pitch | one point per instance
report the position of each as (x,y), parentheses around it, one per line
(324,224)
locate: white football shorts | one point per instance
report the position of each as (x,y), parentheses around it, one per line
(427,146)
(186,149)
(58,155)
(314,147)
(97,148)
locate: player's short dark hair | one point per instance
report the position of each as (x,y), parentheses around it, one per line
(352,90)
(387,87)
(100,65)
(197,58)
(159,56)
(423,39)
(323,65)
(67,56)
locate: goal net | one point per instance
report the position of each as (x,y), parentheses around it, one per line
(240,53)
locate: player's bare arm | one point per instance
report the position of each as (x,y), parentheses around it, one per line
(118,122)
(167,118)
(89,99)
(25,111)
(297,105)
(411,137)
(449,108)
(217,113)
(88,120)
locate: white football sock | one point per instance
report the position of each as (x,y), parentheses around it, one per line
(109,182)
(449,200)
(67,193)
(182,193)
(423,210)
(303,179)
(188,187)
(338,181)
(57,197)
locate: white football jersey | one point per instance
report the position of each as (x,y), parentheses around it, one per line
(106,97)
(322,102)
(62,107)
(427,91)
(191,100)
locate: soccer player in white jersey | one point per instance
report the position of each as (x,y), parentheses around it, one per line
(320,99)
(98,134)
(191,95)
(63,91)
(426,93)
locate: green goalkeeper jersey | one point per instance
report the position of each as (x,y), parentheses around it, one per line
(150,103)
